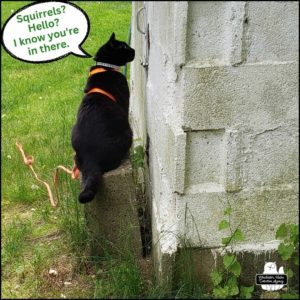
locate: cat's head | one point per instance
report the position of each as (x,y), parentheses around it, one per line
(270,267)
(115,52)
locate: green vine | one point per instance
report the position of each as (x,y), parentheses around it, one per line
(225,282)
(288,250)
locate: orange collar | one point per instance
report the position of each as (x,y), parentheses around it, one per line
(98,90)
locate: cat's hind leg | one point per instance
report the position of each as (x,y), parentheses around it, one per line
(91,175)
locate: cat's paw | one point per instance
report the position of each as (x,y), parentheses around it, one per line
(86,196)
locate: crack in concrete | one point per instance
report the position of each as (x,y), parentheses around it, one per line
(266,130)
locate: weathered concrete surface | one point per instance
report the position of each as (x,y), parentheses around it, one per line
(254,212)
(138,79)
(257,95)
(252,259)
(112,217)
(220,98)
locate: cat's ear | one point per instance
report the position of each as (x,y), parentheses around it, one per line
(112,37)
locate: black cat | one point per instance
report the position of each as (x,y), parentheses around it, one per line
(102,135)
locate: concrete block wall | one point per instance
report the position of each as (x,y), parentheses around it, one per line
(221,114)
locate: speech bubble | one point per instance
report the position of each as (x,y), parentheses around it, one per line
(46,31)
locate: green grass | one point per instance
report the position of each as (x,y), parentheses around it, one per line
(38,108)
(40,101)
(122,279)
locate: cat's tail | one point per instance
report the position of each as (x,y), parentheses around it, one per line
(91,181)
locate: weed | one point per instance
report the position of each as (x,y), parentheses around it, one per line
(226,281)
(288,250)
(188,285)
(137,156)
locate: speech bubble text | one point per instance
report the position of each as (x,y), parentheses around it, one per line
(46,31)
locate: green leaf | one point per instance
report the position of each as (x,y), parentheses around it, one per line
(227,211)
(232,280)
(294,231)
(246,292)
(285,251)
(233,288)
(289,296)
(296,260)
(238,235)
(137,156)
(221,293)
(223,224)
(281,231)
(235,268)
(289,273)
(216,277)
(226,240)
(228,260)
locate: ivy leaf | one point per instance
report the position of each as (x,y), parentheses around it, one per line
(235,268)
(246,292)
(223,224)
(281,231)
(289,273)
(226,240)
(228,260)
(285,251)
(216,277)
(221,293)
(233,288)
(238,235)
(227,211)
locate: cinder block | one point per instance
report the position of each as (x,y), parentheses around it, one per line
(163,261)
(169,144)
(258,212)
(161,18)
(270,157)
(235,32)
(273,31)
(112,217)
(206,30)
(232,176)
(205,157)
(137,79)
(254,96)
